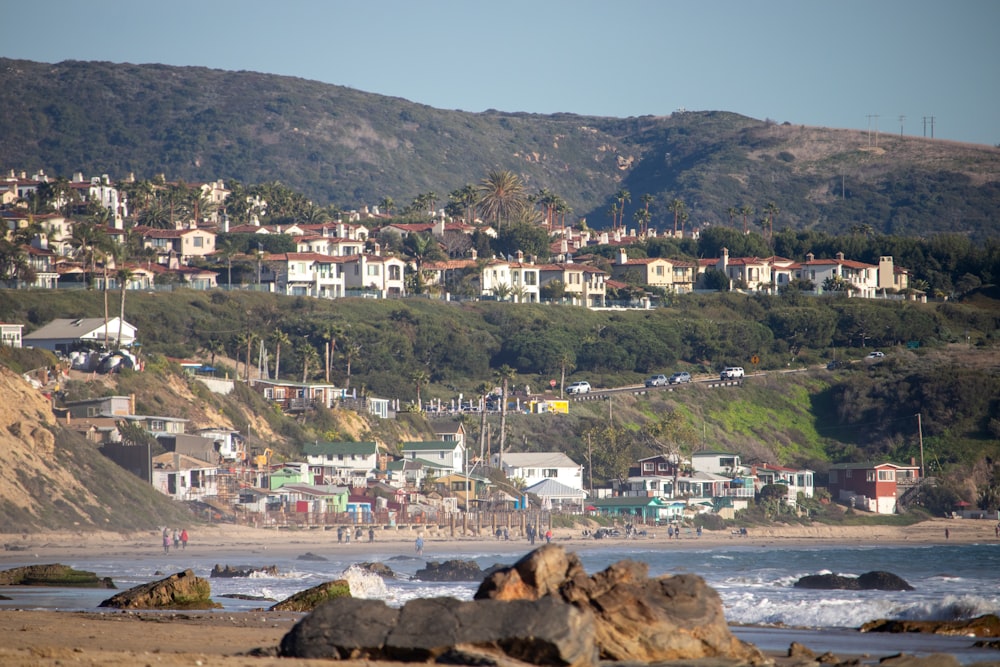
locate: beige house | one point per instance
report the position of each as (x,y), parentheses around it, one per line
(584,284)
(175,247)
(656,272)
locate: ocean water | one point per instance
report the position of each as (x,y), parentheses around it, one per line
(755,584)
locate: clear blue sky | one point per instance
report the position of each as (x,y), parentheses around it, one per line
(834,64)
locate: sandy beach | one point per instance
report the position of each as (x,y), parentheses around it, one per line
(49,638)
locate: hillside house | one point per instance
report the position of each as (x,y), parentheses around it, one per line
(349,463)
(719,463)
(443,454)
(65,335)
(874,487)
(797,480)
(535,467)
(184,477)
(297,396)
(10,334)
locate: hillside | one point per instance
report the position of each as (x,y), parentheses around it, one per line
(348,148)
(54,480)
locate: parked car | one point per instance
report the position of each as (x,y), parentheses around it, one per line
(834,365)
(680,378)
(875,354)
(656,381)
(731,373)
(578,388)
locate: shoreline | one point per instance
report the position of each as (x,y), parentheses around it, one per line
(116,638)
(230,540)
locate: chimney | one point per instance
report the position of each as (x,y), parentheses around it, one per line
(840,257)
(520,256)
(725,260)
(474,253)
(622,256)
(810,257)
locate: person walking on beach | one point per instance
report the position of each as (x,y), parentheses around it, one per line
(419,545)
(947,534)
(371,535)
(548,536)
(177,540)
(166,541)
(340,534)
(184,539)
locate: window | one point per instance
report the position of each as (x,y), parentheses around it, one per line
(157,425)
(198,242)
(869,475)
(659,270)
(550,472)
(847,474)
(531,278)
(647,467)
(373,270)
(663,466)
(886,475)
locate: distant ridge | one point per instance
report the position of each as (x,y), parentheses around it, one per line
(342,146)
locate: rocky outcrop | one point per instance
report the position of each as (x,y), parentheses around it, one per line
(543,610)
(311,598)
(381,569)
(869,581)
(450,570)
(540,632)
(636,618)
(233,571)
(178,591)
(311,556)
(53,574)
(987,625)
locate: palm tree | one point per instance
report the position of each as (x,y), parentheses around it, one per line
(123,275)
(351,350)
(677,207)
(501,196)
(247,340)
(623,197)
(732,211)
(387,205)
(214,347)
(641,218)
(419,378)
(505,374)
(771,210)
(483,390)
(279,338)
(85,238)
(309,357)
(746,210)
(330,334)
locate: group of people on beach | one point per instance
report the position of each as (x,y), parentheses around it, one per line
(344,534)
(179,539)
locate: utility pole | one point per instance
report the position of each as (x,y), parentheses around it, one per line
(932,127)
(901,119)
(931,119)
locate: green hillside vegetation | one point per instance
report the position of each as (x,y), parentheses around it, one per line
(808,417)
(345,148)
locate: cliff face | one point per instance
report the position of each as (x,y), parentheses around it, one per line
(55,480)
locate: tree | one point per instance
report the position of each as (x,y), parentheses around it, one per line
(308,356)
(771,210)
(677,207)
(86,237)
(279,338)
(622,196)
(419,378)
(505,375)
(731,212)
(387,205)
(746,210)
(483,390)
(641,218)
(351,351)
(501,196)
(214,347)
(123,275)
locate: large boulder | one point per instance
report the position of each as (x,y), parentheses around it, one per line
(53,574)
(540,632)
(178,591)
(636,618)
(233,571)
(450,570)
(869,581)
(311,598)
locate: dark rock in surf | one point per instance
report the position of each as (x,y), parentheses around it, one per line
(869,581)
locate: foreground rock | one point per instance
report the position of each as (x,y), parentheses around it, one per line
(987,625)
(233,571)
(869,581)
(311,598)
(450,570)
(381,569)
(636,618)
(178,591)
(543,610)
(541,632)
(53,574)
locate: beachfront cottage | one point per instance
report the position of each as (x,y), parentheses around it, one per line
(447,455)
(535,467)
(874,487)
(184,477)
(350,463)
(553,495)
(67,334)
